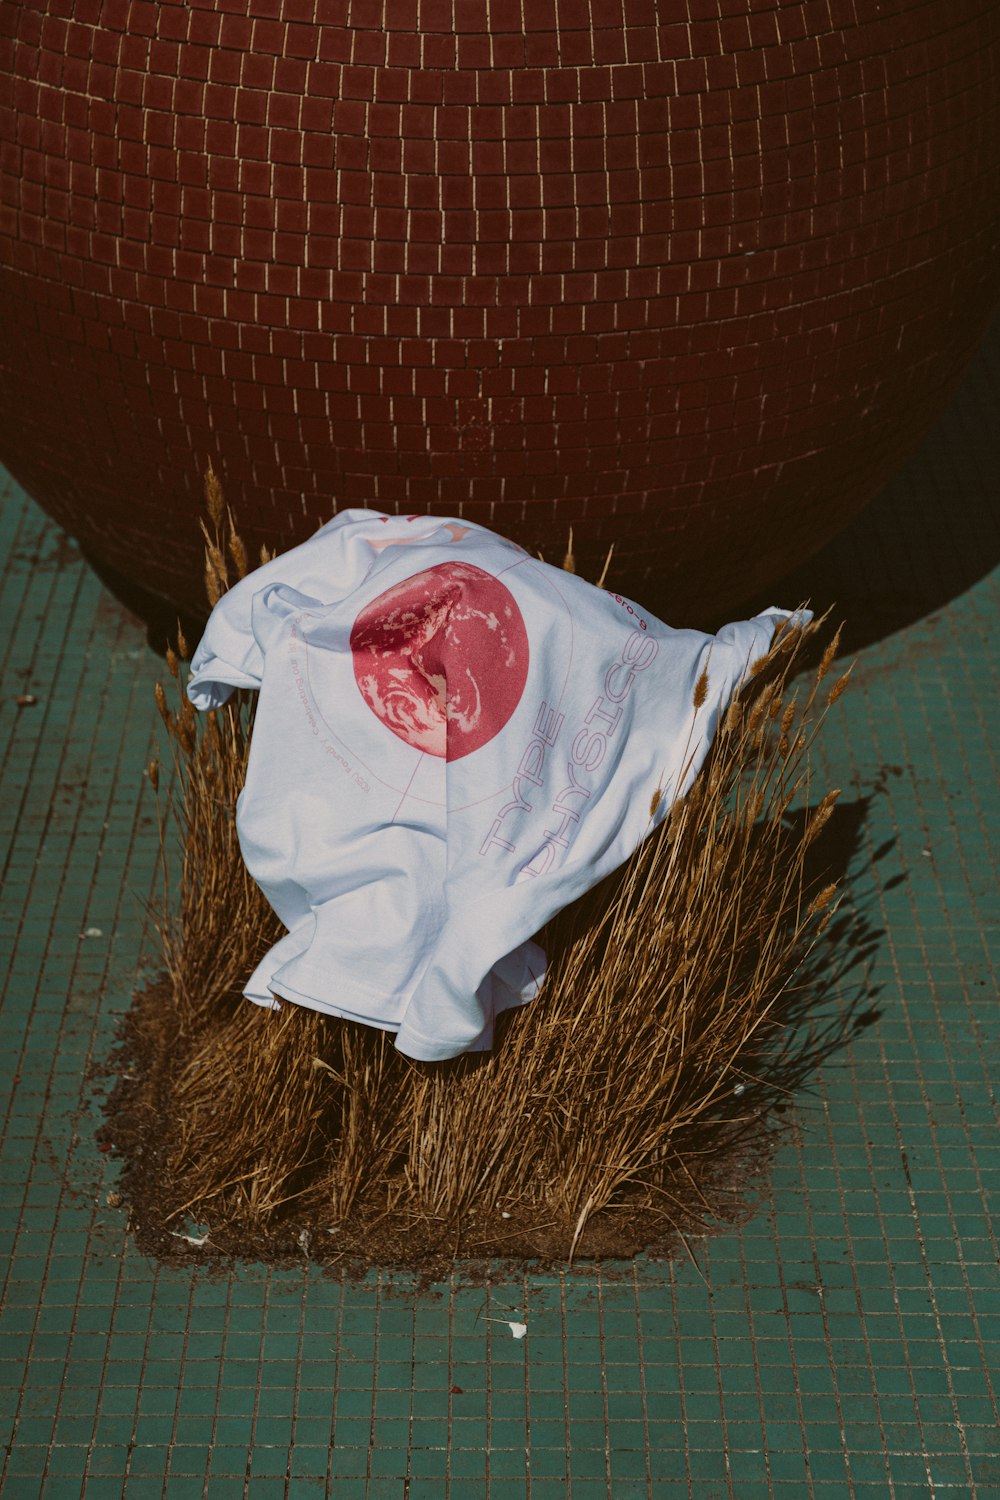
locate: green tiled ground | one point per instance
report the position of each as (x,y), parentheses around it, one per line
(844,1342)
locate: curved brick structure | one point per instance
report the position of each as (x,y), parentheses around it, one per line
(689,284)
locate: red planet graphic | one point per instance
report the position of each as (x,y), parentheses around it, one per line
(442,658)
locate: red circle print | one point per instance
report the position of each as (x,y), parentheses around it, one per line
(442,658)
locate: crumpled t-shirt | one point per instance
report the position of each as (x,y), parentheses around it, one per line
(453,740)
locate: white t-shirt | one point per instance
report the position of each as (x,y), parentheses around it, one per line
(453,740)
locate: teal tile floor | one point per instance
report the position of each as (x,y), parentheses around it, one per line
(843,1342)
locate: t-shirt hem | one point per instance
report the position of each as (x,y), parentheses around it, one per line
(330,1008)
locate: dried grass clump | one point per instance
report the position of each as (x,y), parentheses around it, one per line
(666,1031)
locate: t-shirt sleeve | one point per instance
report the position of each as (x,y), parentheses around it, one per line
(319,571)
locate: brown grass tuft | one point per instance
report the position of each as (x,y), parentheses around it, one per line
(604,1102)
(839,687)
(826,661)
(214,502)
(822,899)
